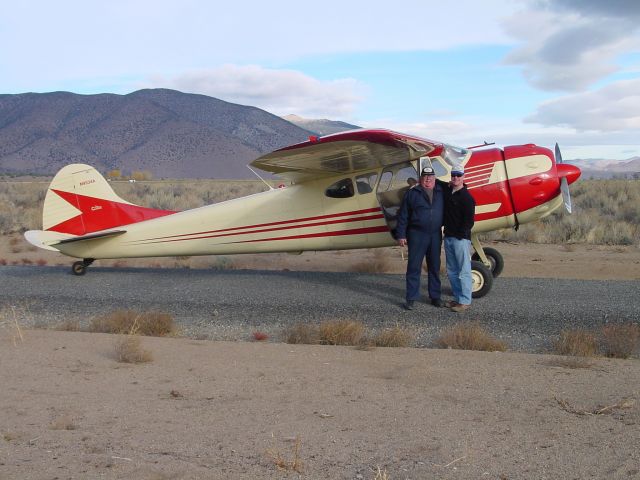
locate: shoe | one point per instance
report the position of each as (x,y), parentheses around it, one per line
(436,302)
(460,308)
(450,303)
(409,305)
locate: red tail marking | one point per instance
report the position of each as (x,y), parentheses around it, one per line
(99,214)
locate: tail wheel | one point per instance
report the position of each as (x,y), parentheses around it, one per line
(481,279)
(78,268)
(495,259)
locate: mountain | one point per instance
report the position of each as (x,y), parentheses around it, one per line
(603,168)
(320,126)
(169,133)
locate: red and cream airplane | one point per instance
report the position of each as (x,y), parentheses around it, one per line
(345,191)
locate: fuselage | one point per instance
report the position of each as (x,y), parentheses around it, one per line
(343,211)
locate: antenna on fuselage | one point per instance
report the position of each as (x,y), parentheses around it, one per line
(263,180)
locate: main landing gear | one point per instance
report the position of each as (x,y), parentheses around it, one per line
(486,264)
(80,267)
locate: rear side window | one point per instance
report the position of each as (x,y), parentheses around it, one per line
(366,183)
(341,189)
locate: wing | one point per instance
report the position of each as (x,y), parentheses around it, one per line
(344,152)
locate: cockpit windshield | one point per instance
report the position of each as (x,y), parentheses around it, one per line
(455,155)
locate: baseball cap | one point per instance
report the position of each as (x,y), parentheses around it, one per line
(427,171)
(457,170)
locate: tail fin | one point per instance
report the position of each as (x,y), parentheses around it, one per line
(80,201)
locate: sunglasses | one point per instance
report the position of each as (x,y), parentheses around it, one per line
(457,174)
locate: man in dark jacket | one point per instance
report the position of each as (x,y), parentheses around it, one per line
(420,227)
(458,221)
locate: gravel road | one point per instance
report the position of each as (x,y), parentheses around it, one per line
(527,313)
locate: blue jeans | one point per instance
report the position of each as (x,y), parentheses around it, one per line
(423,246)
(458,254)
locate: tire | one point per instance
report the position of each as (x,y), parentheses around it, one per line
(481,280)
(495,259)
(78,268)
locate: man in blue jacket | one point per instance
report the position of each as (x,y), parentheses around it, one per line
(420,227)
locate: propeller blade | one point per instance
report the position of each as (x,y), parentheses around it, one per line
(564,184)
(566,197)
(558,154)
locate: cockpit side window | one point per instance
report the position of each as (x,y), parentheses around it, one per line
(341,189)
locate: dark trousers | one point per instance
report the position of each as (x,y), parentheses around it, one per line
(423,246)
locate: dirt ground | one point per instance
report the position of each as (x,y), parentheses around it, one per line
(219,410)
(225,410)
(521,260)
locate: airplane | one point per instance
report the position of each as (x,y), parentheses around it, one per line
(345,191)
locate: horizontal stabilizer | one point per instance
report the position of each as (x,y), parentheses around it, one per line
(91,236)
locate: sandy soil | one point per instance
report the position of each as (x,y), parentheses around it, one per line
(199,409)
(210,410)
(521,260)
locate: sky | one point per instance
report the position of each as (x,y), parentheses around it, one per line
(462,72)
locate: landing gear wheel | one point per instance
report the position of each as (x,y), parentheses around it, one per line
(481,279)
(78,268)
(495,259)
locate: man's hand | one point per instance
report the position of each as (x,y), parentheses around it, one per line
(402,242)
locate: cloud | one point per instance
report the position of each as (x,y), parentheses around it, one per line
(277,91)
(570,45)
(609,8)
(615,107)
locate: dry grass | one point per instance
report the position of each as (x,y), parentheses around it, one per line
(569,362)
(129,349)
(294,464)
(393,337)
(341,332)
(381,474)
(68,326)
(600,410)
(580,343)
(301,333)
(154,324)
(469,336)
(63,423)
(620,340)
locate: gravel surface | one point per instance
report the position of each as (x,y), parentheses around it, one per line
(527,313)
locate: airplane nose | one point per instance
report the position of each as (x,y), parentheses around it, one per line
(570,172)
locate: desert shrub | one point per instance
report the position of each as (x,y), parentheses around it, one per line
(63,423)
(469,336)
(155,324)
(576,342)
(68,326)
(301,333)
(128,349)
(393,337)
(620,340)
(341,332)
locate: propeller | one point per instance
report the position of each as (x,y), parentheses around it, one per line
(564,184)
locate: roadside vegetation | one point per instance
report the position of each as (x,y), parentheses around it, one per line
(606,212)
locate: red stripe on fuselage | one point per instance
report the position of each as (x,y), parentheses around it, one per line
(288,227)
(354,231)
(282,222)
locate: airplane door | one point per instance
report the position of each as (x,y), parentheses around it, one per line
(394,183)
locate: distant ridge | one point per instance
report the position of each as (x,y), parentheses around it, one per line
(602,168)
(169,133)
(320,126)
